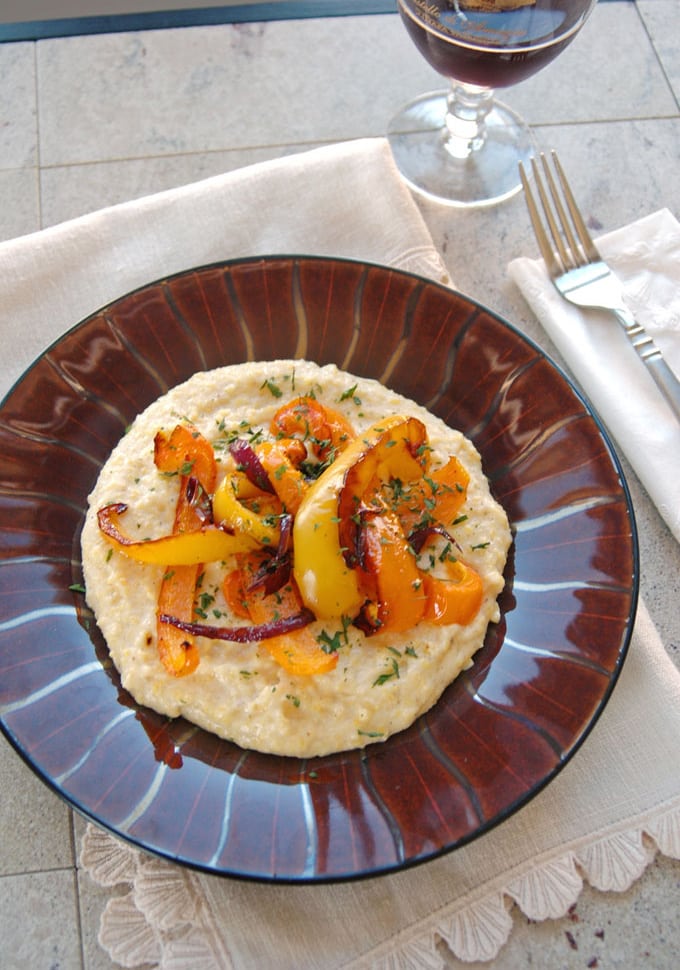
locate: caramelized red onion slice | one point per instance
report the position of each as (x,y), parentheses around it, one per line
(246,458)
(420,536)
(243,634)
(199,500)
(275,571)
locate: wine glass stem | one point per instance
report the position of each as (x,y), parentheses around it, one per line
(467,108)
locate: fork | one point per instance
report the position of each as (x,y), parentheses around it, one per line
(579,272)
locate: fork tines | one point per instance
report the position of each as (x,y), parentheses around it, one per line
(571,245)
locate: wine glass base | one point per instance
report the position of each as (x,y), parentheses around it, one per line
(470,175)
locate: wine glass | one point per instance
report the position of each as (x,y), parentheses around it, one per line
(463,147)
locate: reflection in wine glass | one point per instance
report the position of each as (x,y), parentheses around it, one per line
(462,147)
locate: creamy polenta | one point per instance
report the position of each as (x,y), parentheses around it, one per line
(381,682)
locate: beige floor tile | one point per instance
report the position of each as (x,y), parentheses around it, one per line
(20,185)
(72,190)
(584,85)
(39,922)
(18,119)
(35,823)
(225,87)
(662,19)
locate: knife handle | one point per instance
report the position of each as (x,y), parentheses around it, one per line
(650,354)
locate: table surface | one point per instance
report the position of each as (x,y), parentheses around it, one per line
(93,120)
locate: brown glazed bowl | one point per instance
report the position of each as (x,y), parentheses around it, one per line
(499,733)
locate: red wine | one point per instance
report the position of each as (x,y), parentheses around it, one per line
(492,47)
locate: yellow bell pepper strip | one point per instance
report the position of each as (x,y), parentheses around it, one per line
(298,651)
(395,449)
(398,602)
(324,430)
(453,600)
(207,544)
(328,586)
(229,513)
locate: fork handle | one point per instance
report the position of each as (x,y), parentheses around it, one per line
(650,354)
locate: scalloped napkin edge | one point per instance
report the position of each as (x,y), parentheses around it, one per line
(603,818)
(646,257)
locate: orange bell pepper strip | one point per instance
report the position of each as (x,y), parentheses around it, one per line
(395,449)
(438,496)
(184,452)
(389,566)
(453,600)
(286,479)
(298,652)
(326,431)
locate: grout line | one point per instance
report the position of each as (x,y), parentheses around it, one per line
(659,60)
(38,157)
(77,888)
(35,872)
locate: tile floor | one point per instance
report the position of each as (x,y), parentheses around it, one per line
(90,121)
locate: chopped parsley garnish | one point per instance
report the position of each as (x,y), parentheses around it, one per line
(272,387)
(393,673)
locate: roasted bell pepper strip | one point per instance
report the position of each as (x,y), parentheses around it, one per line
(233,588)
(395,449)
(286,479)
(389,561)
(324,430)
(328,586)
(436,497)
(186,453)
(207,544)
(232,514)
(453,600)
(298,652)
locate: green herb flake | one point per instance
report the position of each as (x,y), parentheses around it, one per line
(272,387)
(393,673)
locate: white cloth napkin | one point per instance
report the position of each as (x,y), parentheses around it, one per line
(646,257)
(606,814)
(355,206)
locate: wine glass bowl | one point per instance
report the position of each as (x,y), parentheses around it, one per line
(462,146)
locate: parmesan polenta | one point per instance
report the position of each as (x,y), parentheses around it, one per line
(381,683)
